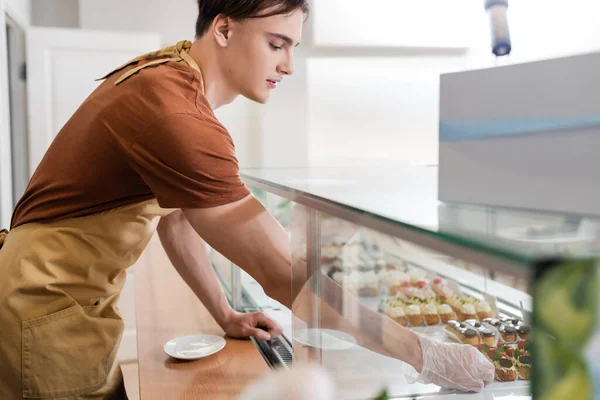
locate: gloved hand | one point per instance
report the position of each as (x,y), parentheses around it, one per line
(452,365)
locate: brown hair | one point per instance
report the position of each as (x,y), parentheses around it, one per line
(244,9)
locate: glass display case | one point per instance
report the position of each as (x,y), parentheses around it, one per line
(374,252)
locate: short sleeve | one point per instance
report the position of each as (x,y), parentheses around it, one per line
(188,161)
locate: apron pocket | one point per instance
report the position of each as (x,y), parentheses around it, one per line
(67,353)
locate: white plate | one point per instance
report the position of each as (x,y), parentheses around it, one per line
(193,347)
(326,339)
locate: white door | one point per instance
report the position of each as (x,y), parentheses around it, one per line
(62,65)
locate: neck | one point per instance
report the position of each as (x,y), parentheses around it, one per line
(216,88)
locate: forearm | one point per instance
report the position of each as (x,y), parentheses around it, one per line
(251,238)
(246,234)
(187,253)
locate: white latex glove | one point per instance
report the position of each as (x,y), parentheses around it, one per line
(453,365)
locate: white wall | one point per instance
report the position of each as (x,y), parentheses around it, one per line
(385,107)
(174,20)
(20,12)
(542,29)
(375,110)
(55,13)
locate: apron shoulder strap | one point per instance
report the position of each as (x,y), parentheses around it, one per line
(178,53)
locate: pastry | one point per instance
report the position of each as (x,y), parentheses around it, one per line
(384,306)
(510,321)
(329,253)
(524,347)
(508,333)
(443,291)
(523,365)
(472,322)
(493,321)
(455,303)
(394,281)
(446,313)
(505,369)
(398,315)
(431,314)
(483,310)
(524,331)
(414,315)
(369,284)
(470,336)
(468,312)
(488,337)
(489,351)
(454,327)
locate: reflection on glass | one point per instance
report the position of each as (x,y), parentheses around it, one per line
(356,288)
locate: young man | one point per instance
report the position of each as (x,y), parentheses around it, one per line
(143,152)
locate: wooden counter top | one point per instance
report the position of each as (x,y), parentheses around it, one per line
(166,308)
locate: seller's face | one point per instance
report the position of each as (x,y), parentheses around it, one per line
(259,53)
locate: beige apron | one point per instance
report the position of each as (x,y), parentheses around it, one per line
(60,327)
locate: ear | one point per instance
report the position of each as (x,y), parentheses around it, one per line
(221,28)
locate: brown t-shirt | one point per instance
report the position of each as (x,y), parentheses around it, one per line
(153,135)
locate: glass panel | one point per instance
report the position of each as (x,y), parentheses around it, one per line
(407,197)
(355,290)
(253,295)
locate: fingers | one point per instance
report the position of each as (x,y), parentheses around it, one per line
(259,334)
(489,372)
(485,368)
(272,327)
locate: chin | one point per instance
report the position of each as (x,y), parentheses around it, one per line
(261,98)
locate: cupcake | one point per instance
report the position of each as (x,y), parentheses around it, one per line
(398,315)
(488,336)
(483,310)
(470,336)
(414,315)
(505,370)
(524,331)
(431,314)
(446,313)
(394,280)
(508,333)
(523,365)
(468,312)
(443,291)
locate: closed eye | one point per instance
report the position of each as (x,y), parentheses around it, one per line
(275,47)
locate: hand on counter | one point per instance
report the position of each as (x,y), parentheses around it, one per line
(453,365)
(258,325)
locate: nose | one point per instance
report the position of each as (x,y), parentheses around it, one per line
(287,66)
